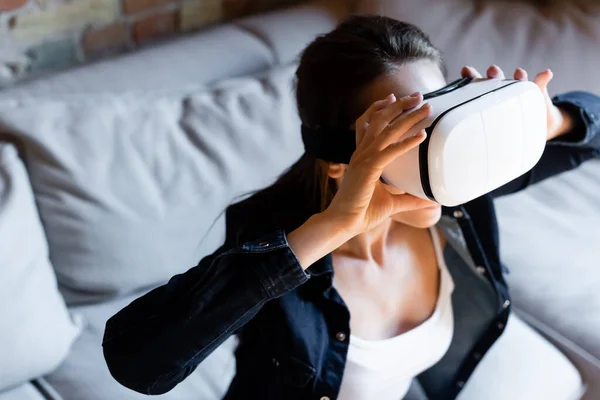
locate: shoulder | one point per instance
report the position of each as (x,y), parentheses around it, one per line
(263,213)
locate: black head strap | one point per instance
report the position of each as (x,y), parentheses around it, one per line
(329,145)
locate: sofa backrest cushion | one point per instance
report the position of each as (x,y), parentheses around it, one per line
(561,37)
(131,188)
(36,328)
(237,48)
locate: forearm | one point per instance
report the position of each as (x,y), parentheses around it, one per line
(317,237)
(163,343)
(159,339)
(566,123)
(580,126)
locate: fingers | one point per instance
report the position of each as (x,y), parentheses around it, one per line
(395,150)
(377,106)
(401,126)
(407,202)
(470,72)
(495,72)
(363,122)
(520,74)
(380,120)
(543,79)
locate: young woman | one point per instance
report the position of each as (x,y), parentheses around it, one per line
(337,285)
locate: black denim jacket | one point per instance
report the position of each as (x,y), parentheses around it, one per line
(293,326)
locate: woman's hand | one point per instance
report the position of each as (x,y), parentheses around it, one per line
(559,122)
(361,201)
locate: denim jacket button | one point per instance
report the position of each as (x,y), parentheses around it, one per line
(480,269)
(506,304)
(458,214)
(341,336)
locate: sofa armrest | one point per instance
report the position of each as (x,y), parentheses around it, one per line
(46,390)
(30,391)
(587,365)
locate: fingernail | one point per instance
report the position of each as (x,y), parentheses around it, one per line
(420,135)
(391,97)
(426,105)
(415,94)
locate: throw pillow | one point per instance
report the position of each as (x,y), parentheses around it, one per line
(37,330)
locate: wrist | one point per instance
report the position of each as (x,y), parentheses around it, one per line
(330,229)
(565,123)
(321,234)
(338,225)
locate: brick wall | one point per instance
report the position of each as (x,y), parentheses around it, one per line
(37,36)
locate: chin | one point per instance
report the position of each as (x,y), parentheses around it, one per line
(423,218)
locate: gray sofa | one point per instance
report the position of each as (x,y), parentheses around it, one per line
(117,174)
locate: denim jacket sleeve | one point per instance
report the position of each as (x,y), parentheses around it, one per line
(160,338)
(570,150)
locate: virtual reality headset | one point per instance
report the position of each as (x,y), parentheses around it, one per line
(481,134)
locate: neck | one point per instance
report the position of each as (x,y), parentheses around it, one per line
(369,245)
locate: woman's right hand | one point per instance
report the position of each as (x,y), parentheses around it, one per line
(362,202)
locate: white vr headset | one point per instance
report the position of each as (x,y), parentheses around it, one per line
(480,136)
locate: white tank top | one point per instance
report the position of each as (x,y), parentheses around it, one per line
(384,369)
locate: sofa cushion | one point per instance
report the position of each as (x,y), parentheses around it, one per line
(129,186)
(84,374)
(36,329)
(550,242)
(287,32)
(534,368)
(514,34)
(190,61)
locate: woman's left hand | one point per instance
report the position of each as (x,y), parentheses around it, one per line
(559,121)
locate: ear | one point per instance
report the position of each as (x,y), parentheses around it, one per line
(336,170)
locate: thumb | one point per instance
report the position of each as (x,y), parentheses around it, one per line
(408,202)
(543,79)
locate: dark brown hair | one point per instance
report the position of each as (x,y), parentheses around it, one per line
(333,70)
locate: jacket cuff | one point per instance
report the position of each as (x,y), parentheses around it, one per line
(280,272)
(584,108)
